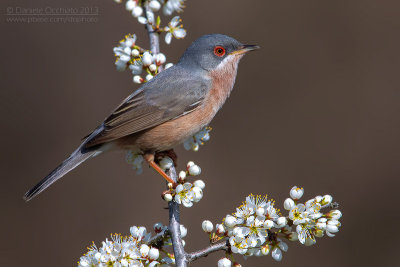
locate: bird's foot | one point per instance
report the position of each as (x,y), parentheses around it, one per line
(150,160)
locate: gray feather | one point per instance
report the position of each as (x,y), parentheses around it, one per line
(76,158)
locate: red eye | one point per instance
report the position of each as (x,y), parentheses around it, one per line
(219,51)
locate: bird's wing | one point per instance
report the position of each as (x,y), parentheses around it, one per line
(171,94)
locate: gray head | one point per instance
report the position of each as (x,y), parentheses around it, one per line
(210,50)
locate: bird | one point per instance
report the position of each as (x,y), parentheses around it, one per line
(165,111)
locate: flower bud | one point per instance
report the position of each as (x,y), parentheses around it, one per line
(189,164)
(260,211)
(160,59)
(183,231)
(153,67)
(194,170)
(166,163)
(137,11)
(296,192)
(168,197)
(220,228)
(144,250)
(268,224)
(182,175)
(147,59)
(230,221)
(289,204)
(207,226)
(200,184)
(224,262)
(137,79)
(158,227)
(130,5)
(281,222)
(154,253)
(135,53)
(154,5)
(149,77)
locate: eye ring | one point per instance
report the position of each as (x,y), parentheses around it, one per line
(219,51)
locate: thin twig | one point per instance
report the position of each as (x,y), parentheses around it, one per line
(175,227)
(155,240)
(153,35)
(204,252)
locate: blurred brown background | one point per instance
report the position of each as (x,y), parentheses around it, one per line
(317,106)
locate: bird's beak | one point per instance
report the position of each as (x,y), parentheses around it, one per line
(244,49)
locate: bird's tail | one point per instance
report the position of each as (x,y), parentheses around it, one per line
(76,158)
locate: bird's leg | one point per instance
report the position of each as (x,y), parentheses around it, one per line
(150,160)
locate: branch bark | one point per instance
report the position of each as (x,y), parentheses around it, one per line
(208,250)
(175,227)
(153,35)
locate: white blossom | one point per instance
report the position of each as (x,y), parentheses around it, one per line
(174,29)
(194,142)
(172,6)
(135,158)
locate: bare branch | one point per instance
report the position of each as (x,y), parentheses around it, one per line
(175,227)
(205,252)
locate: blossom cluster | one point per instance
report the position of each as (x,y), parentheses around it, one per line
(185,192)
(135,249)
(258,228)
(132,250)
(130,55)
(194,142)
(138,60)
